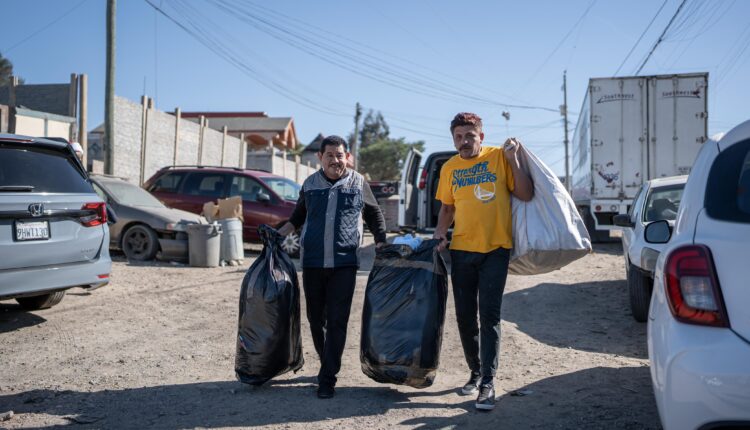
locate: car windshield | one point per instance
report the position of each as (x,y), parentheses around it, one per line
(663,202)
(286,188)
(128,194)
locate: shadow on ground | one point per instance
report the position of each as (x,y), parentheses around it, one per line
(597,398)
(13,317)
(589,316)
(212,404)
(604,398)
(610,248)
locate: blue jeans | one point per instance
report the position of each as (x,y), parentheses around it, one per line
(478,282)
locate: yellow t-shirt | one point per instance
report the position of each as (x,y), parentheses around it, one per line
(480,190)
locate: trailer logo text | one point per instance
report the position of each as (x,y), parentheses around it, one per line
(615,97)
(696,94)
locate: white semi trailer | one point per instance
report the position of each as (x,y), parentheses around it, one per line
(630,130)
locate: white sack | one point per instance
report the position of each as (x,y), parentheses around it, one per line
(548,232)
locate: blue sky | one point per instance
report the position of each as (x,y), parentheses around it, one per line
(418,61)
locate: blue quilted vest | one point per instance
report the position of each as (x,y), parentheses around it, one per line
(332,231)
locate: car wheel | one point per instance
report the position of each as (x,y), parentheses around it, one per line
(140,243)
(34,303)
(640,287)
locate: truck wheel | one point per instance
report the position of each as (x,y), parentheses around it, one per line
(639,288)
(35,303)
(595,235)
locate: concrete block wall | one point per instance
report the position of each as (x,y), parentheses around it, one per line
(160,138)
(127,139)
(212,148)
(232,153)
(187,148)
(159,142)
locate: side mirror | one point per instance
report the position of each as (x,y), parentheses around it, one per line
(263,197)
(623,220)
(658,232)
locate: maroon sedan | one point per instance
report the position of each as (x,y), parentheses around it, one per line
(266,198)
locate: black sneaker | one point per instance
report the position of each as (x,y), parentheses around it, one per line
(486,398)
(325,391)
(472,386)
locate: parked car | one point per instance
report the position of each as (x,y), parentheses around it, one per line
(699,320)
(53,226)
(266,198)
(657,199)
(145,228)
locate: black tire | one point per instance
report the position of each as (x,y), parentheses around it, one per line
(640,287)
(140,243)
(44,301)
(597,236)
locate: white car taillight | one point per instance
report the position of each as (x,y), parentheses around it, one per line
(693,291)
(99,216)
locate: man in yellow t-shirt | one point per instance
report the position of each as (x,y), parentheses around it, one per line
(475,188)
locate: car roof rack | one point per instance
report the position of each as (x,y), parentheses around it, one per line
(201,166)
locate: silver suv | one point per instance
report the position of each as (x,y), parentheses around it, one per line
(53,226)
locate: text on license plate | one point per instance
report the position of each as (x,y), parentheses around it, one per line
(36,230)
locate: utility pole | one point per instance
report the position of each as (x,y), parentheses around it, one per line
(565,114)
(109,91)
(83,111)
(355,145)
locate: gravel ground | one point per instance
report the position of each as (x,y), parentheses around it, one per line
(156,349)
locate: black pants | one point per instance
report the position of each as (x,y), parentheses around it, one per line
(328,294)
(479,279)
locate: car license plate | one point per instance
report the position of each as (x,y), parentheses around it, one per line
(33,230)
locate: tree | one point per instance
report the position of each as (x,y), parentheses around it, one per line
(380,156)
(384,159)
(6,71)
(374,129)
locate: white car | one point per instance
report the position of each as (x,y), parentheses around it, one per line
(699,320)
(657,199)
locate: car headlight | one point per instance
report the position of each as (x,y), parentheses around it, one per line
(176,226)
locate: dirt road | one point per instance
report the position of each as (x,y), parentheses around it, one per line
(156,349)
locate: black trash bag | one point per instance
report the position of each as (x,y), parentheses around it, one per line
(268,338)
(403,315)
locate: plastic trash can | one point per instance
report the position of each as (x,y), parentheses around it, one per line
(204,244)
(231,239)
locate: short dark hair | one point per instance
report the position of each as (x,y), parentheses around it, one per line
(466,118)
(335,141)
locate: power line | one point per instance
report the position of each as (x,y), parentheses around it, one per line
(641,37)
(220,50)
(48,25)
(358,46)
(533,75)
(661,38)
(356,61)
(707,25)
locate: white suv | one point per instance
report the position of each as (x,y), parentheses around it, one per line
(699,320)
(657,199)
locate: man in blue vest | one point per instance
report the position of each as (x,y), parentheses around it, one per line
(330,209)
